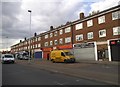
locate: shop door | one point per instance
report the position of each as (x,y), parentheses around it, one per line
(115,50)
(38,54)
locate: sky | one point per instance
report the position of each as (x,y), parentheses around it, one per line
(15,18)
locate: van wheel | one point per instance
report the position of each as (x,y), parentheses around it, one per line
(53,61)
(65,61)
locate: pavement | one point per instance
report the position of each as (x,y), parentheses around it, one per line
(103,71)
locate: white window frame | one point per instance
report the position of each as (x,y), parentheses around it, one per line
(55,42)
(46,36)
(101,19)
(116,15)
(68,29)
(51,35)
(46,44)
(39,45)
(79,37)
(116,30)
(90,35)
(51,43)
(89,23)
(55,33)
(68,40)
(61,41)
(79,26)
(61,32)
(103,32)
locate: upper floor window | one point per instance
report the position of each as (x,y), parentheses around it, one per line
(101,19)
(90,35)
(116,15)
(61,32)
(55,33)
(46,44)
(55,42)
(61,40)
(51,43)
(79,37)
(89,23)
(51,35)
(46,36)
(39,38)
(102,33)
(68,29)
(79,26)
(68,40)
(39,45)
(116,30)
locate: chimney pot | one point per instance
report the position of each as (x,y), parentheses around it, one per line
(82,15)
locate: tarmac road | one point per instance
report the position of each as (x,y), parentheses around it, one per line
(17,74)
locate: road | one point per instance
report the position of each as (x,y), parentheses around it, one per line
(16,74)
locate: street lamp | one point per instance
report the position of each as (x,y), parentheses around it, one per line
(30,36)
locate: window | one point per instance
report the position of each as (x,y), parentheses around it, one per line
(62,54)
(101,19)
(61,32)
(90,35)
(116,30)
(51,35)
(61,41)
(55,42)
(51,43)
(55,33)
(79,26)
(39,45)
(39,38)
(102,33)
(67,30)
(79,37)
(46,44)
(68,40)
(46,36)
(89,23)
(116,15)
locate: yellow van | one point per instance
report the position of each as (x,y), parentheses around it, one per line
(62,56)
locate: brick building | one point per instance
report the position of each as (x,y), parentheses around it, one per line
(97,35)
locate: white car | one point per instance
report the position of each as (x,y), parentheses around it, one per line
(7,58)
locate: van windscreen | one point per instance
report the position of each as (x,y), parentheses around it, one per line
(68,53)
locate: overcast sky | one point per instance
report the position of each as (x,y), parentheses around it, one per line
(15,19)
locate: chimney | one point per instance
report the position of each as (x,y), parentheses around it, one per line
(51,28)
(20,41)
(25,38)
(82,15)
(35,34)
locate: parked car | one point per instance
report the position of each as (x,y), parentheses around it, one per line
(7,58)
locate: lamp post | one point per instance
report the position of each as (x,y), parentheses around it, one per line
(30,36)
